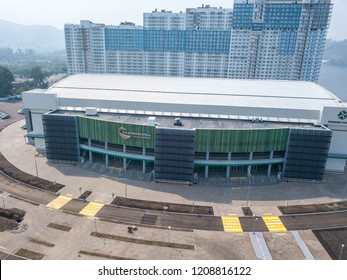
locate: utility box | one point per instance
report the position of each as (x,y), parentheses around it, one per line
(151,121)
(91,111)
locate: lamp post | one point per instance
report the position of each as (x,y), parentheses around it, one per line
(125,178)
(37,172)
(256,218)
(169,228)
(341,251)
(249,186)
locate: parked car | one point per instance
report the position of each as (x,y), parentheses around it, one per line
(5,116)
(20,111)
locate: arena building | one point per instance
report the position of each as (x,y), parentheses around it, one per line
(186,128)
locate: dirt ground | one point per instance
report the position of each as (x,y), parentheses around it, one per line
(10,218)
(313,208)
(163,206)
(332,240)
(12,171)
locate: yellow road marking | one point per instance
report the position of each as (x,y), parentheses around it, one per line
(231,224)
(59,202)
(274,224)
(91,209)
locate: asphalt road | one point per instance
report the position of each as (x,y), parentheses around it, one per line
(6,256)
(11,108)
(165,219)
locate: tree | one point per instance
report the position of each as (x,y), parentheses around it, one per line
(38,76)
(6,78)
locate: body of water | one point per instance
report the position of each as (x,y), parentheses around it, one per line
(334,79)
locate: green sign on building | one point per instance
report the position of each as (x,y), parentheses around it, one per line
(116,133)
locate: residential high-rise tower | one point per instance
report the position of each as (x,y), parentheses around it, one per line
(259,39)
(278,39)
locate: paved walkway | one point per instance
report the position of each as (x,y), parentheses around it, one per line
(224,200)
(302,245)
(259,245)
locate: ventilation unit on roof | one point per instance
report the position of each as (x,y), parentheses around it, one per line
(178,122)
(91,111)
(151,121)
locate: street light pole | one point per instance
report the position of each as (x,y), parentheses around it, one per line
(169,228)
(125,178)
(341,251)
(37,173)
(249,186)
(255,219)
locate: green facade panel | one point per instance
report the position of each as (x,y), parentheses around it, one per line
(116,133)
(241,140)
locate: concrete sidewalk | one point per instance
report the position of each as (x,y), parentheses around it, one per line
(224,199)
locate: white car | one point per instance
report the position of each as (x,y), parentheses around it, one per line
(21,112)
(4,116)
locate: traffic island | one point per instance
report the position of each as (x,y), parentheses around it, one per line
(163,206)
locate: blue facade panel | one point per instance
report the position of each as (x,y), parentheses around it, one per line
(190,41)
(283,16)
(124,39)
(207,41)
(164,40)
(242,16)
(287,42)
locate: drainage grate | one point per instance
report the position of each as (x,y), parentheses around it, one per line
(149,219)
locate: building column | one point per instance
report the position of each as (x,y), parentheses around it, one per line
(124,159)
(270,165)
(143,162)
(249,168)
(90,152)
(228,167)
(106,156)
(206,166)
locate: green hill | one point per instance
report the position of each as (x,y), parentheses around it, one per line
(37,37)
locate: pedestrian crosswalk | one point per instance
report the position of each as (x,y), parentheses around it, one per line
(59,202)
(274,224)
(231,223)
(92,209)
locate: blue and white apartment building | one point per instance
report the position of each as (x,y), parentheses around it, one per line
(257,39)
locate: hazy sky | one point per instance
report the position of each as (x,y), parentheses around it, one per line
(58,12)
